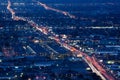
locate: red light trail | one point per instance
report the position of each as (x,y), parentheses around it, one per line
(91,61)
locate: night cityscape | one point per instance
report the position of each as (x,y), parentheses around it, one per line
(59,39)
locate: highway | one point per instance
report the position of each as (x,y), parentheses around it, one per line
(14,17)
(91,61)
(56,10)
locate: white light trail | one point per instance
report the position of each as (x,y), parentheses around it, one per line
(90,60)
(57,10)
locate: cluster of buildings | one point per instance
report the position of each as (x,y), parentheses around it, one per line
(27,54)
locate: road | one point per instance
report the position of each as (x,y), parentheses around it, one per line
(91,61)
(56,10)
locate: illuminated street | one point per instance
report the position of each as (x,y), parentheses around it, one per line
(40,42)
